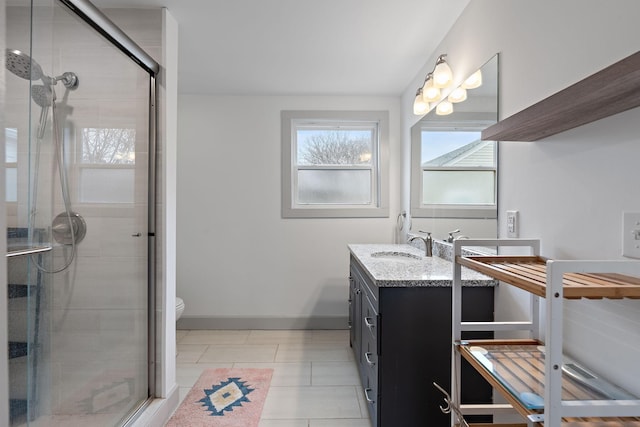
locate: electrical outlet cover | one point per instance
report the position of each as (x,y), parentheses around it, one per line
(631,234)
(512,224)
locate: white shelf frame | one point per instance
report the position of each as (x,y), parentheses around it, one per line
(554,407)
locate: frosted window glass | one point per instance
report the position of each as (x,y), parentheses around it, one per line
(107,185)
(11,145)
(11,188)
(458,187)
(351,187)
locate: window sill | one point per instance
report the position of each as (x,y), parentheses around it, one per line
(334,212)
(478,212)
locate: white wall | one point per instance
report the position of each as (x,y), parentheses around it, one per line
(166,193)
(571,188)
(239,263)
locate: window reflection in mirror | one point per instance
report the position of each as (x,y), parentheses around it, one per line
(454,172)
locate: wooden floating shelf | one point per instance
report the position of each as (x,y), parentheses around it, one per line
(610,91)
(530,273)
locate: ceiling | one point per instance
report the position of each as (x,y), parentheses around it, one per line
(303,47)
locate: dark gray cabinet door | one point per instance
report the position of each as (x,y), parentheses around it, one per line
(412,348)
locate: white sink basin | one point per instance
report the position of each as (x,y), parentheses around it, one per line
(396,256)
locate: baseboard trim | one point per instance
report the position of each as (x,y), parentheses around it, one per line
(232,322)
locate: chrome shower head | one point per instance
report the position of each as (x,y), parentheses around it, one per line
(22,65)
(42,95)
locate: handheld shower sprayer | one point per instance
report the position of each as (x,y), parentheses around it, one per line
(68,228)
(44,97)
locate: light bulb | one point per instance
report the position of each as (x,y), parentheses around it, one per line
(442,74)
(444,108)
(459,94)
(474,80)
(430,93)
(420,107)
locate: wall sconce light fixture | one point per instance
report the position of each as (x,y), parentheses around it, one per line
(420,106)
(444,107)
(474,80)
(430,93)
(442,75)
(459,94)
(440,78)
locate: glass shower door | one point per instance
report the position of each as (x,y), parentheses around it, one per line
(99,317)
(79,160)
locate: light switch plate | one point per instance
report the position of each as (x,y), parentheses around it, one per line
(631,234)
(512,224)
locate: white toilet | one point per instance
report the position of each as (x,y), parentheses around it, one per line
(179,307)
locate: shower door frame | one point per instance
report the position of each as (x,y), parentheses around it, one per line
(103,25)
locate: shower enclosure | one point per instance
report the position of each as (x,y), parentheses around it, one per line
(80,173)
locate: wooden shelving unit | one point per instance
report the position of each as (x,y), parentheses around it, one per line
(529,373)
(530,273)
(610,91)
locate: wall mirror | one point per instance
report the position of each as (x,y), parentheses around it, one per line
(454,174)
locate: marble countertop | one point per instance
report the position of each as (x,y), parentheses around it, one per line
(412,269)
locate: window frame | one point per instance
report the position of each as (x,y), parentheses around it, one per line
(379,206)
(467,211)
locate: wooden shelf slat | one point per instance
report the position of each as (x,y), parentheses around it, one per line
(611,90)
(513,357)
(529,273)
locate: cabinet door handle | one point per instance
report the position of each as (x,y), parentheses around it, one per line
(367,321)
(366,395)
(367,357)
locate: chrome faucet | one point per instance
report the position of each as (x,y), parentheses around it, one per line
(428,242)
(450,239)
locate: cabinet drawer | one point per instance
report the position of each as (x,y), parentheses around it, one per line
(369,358)
(370,390)
(369,320)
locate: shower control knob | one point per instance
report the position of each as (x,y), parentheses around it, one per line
(68,228)
(136,235)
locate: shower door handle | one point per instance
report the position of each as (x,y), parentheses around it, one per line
(136,235)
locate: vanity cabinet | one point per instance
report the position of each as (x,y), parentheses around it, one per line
(401,340)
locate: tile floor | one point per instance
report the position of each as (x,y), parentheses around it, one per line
(315,379)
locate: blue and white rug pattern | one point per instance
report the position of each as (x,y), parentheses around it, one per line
(225,396)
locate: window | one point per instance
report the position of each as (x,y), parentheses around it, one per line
(453,173)
(106,165)
(334,164)
(11,164)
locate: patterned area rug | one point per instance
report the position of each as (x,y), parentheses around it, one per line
(224,398)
